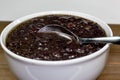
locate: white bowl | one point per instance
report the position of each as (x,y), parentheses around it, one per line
(84,68)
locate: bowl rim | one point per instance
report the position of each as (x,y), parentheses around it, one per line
(43,62)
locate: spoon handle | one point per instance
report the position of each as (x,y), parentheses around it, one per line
(114,40)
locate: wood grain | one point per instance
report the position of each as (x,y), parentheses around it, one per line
(111,71)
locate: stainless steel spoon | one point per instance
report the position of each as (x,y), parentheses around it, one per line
(64,32)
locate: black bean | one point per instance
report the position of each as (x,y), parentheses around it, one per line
(25,40)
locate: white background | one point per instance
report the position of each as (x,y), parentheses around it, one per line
(107,10)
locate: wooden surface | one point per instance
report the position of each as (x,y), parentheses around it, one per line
(111,71)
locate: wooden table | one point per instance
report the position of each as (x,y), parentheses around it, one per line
(111,71)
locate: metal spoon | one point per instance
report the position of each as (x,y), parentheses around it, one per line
(66,33)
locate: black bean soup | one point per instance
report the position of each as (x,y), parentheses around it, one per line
(26,41)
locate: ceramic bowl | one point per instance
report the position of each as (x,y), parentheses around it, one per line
(85,68)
